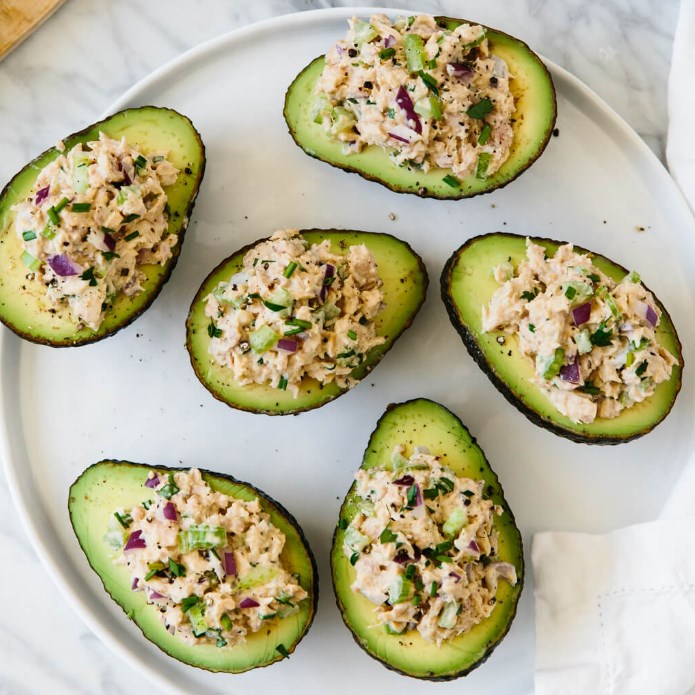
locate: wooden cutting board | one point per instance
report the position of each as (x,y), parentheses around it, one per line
(19,18)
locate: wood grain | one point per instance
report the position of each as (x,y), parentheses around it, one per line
(19,18)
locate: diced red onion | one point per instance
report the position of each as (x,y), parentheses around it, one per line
(418,496)
(109,242)
(288,345)
(463,71)
(135,542)
(339,49)
(398,137)
(230,565)
(155,594)
(405,480)
(581,313)
(473,545)
(152,482)
(389,41)
(128,172)
(41,195)
(570,372)
(169,512)
(401,557)
(63,266)
(134,585)
(248,603)
(405,102)
(328,273)
(456,576)
(647,313)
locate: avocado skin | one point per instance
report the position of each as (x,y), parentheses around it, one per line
(191,178)
(268,504)
(576,433)
(510,537)
(469,187)
(282,402)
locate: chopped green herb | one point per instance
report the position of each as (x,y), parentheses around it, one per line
(177,569)
(452,181)
(482,165)
(342,524)
(140,162)
(410,571)
(443,547)
(124,520)
(188,603)
(570,292)
(213,330)
(642,368)
(226,622)
(48,232)
(29,235)
(291,267)
(131,236)
(80,207)
(89,275)
(430,493)
(53,215)
(299,322)
(352,335)
(387,53)
(432,64)
(411,19)
(109,255)
(417,599)
(387,536)
(108,230)
(411,495)
(468,493)
(481,109)
(553,369)
(433,589)
(602,336)
(354,557)
(268,616)
(484,134)
(282,384)
(154,568)
(593,277)
(168,490)
(281,649)
(590,389)
(294,331)
(446,484)
(532,328)
(429,81)
(528,296)
(345,355)
(274,307)
(130,218)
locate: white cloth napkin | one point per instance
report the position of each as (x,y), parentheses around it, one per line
(615,613)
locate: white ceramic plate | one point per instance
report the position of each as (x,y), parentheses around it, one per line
(135,396)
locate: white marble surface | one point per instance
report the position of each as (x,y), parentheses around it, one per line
(67,74)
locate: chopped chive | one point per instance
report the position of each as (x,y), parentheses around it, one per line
(88,275)
(342,524)
(481,109)
(226,622)
(411,19)
(282,384)
(411,495)
(482,165)
(213,330)
(532,328)
(254,295)
(59,206)
(282,650)
(430,82)
(430,493)
(447,484)
(130,218)
(642,368)
(294,331)
(345,355)
(108,230)
(298,322)
(131,236)
(268,616)
(452,181)
(387,53)
(189,602)
(291,267)
(274,307)
(354,557)
(433,589)
(416,599)
(570,292)
(590,389)
(140,162)
(177,569)
(168,490)
(123,520)
(48,232)
(432,64)
(528,296)
(154,568)
(484,134)
(53,215)
(410,571)
(443,547)
(593,277)
(29,235)
(352,335)
(468,493)
(109,255)
(147,504)
(80,207)
(391,113)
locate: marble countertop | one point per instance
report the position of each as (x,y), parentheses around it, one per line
(66,74)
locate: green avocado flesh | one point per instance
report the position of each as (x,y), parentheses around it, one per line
(24,306)
(404,286)
(536,111)
(414,423)
(468,284)
(108,485)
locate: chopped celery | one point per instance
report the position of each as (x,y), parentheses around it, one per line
(482,165)
(398,460)
(577,292)
(602,293)
(262,339)
(391,631)
(322,108)
(429,107)
(195,615)
(399,590)
(342,121)
(364,32)
(261,574)
(583,342)
(550,367)
(484,134)
(126,192)
(633,276)
(447,618)
(415,55)
(629,359)
(201,537)
(29,261)
(476,42)
(355,540)
(455,522)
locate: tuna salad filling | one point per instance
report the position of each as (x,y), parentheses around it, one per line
(96,214)
(296,310)
(433,97)
(592,340)
(209,562)
(423,545)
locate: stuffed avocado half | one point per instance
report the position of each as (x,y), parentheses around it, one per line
(289,323)
(106,504)
(527,127)
(602,313)
(103,204)
(429,591)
